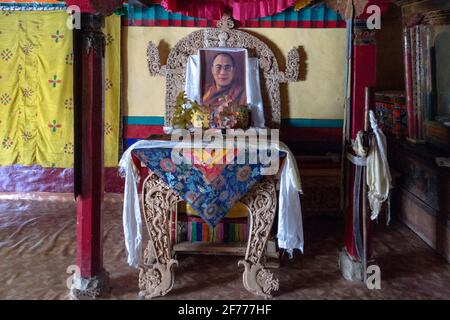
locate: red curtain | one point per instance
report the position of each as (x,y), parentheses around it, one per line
(105,7)
(239,9)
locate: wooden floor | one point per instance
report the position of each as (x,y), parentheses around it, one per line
(37,244)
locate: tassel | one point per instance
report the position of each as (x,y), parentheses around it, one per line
(300,4)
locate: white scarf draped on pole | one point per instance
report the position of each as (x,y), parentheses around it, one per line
(378,173)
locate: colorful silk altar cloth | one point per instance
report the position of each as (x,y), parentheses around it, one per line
(289,223)
(210,188)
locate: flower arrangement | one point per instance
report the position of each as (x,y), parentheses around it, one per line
(190,114)
(230,116)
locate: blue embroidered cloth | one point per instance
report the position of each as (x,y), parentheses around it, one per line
(210,189)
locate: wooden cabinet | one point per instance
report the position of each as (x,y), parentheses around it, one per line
(422,195)
(426,40)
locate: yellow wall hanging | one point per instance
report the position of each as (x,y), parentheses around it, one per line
(36,89)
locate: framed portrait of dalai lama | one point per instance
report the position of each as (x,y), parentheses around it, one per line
(223,77)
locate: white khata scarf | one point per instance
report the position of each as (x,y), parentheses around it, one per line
(378,173)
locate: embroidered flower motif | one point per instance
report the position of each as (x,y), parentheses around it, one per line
(198,200)
(210,210)
(7,143)
(69,59)
(68,104)
(190,196)
(167,165)
(57,36)
(27,92)
(27,135)
(54,126)
(54,81)
(179,186)
(243,173)
(68,148)
(5,99)
(218,183)
(234,198)
(6,54)
(223,195)
(7,13)
(109,39)
(108,84)
(27,48)
(108,128)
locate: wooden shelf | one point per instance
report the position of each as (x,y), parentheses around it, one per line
(237,249)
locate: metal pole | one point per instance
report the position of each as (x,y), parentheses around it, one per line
(364,193)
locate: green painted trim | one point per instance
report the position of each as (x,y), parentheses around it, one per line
(312,123)
(149,121)
(291,123)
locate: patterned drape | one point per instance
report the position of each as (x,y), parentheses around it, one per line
(214,9)
(36,96)
(112,90)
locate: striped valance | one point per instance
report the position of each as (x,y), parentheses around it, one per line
(312,17)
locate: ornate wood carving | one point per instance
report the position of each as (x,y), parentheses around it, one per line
(223,36)
(292,69)
(427,11)
(439,17)
(153,61)
(261,202)
(156,276)
(92,35)
(362,35)
(347,8)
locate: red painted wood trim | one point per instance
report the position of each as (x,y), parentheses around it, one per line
(245,24)
(364,75)
(141,131)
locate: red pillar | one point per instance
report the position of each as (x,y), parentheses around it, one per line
(89,44)
(363,75)
(89,200)
(89,48)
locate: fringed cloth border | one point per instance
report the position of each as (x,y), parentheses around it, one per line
(32,6)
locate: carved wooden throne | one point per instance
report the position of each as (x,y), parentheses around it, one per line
(156,276)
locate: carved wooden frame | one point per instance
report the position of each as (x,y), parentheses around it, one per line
(224,36)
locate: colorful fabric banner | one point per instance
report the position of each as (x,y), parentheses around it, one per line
(36,108)
(241,10)
(194,229)
(112,90)
(211,189)
(36,89)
